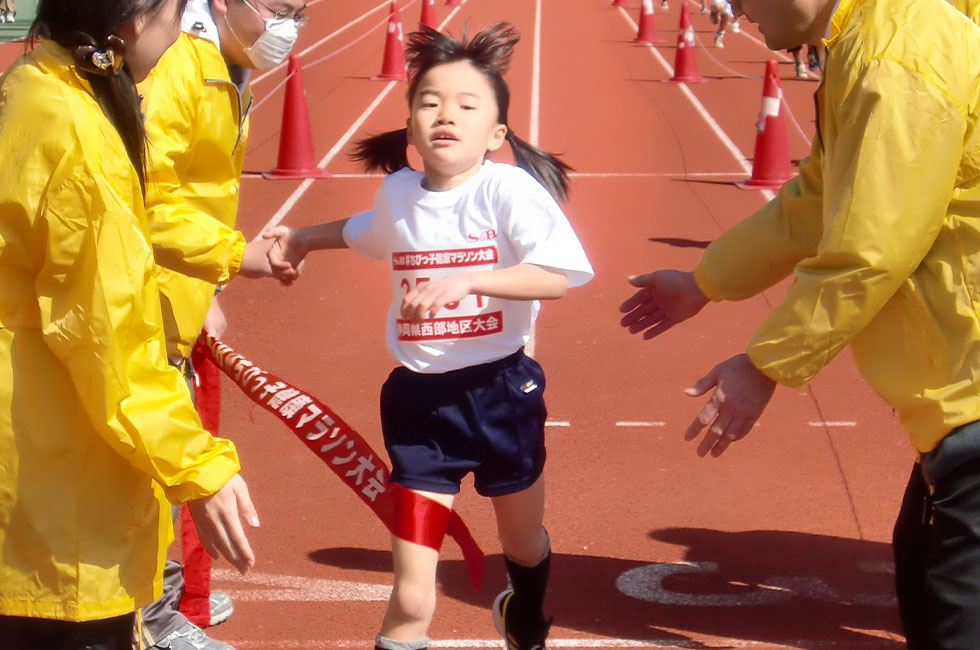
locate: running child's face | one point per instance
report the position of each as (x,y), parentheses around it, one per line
(787,23)
(454,123)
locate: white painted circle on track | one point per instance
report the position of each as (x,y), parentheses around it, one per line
(646,583)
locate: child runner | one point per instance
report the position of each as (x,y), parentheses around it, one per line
(473,245)
(721,15)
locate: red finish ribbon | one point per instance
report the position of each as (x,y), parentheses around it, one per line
(349,456)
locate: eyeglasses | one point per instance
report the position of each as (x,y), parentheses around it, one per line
(299,17)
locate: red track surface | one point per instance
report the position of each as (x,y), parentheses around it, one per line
(796,519)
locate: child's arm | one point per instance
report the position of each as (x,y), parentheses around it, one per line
(520,282)
(292,245)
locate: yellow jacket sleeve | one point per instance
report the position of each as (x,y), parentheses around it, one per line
(101,318)
(892,156)
(183,242)
(204,248)
(788,229)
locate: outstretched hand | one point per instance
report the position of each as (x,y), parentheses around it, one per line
(664,299)
(741,394)
(286,254)
(219,523)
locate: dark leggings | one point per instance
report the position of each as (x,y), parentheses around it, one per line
(937,560)
(46,634)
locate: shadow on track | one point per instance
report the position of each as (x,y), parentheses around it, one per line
(810,591)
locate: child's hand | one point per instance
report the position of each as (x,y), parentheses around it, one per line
(286,253)
(425,300)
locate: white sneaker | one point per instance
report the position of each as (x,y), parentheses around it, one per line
(3,18)
(189,637)
(220,607)
(801,72)
(736,27)
(10,16)
(718,41)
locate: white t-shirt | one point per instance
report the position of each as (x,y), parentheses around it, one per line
(499,218)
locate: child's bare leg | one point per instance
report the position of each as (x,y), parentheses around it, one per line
(519,524)
(723,22)
(413,597)
(527,554)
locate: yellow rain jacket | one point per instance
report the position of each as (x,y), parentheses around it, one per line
(95,427)
(881,228)
(196,121)
(970,7)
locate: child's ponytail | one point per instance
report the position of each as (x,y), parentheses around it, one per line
(547,168)
(386,151)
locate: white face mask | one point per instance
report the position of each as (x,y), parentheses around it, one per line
(271,47)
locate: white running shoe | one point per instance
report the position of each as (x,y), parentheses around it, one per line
(736,27)
(220,607)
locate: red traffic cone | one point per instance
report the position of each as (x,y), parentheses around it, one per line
(621,3)
(428,17)
(685,63)
(393,66)
(454,3)
(295,143)
(770,164)
(647,33)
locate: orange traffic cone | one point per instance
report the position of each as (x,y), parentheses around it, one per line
(295,143)
(770,164)
(685,63)
(393,66)
(621,3)
(647,33)
(428,17)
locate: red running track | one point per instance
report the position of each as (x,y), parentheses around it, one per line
(782,542)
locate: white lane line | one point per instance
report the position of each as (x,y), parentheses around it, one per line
(534,131)
(713,642)
(831,423)
(654,174)
(705,115)
(639,423)
(668,175)
(557,423)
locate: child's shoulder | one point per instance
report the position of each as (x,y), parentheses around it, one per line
(507,180)
(404,178)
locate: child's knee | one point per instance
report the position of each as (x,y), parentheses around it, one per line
(413,601)
(525,548)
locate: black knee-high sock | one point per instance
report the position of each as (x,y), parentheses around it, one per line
(529,584)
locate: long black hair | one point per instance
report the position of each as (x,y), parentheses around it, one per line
(489,51)
(86,28)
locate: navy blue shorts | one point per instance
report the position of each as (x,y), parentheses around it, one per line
(486,419)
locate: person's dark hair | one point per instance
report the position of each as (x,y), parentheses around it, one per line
(489,51)
(86,28)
